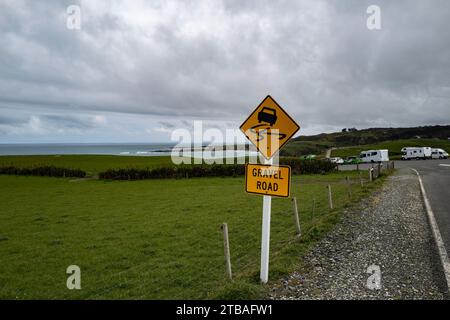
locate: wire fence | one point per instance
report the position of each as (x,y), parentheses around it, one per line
(311,211)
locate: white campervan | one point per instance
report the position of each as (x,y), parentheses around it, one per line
(374,155)
(416,153)
(439,154)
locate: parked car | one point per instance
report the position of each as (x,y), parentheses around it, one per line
(416,153)
(352,160)
(439,154)
(337,160)
(308,157)
(374,155)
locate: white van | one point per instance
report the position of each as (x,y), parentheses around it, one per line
(416,153)
(439,154)
(374,155)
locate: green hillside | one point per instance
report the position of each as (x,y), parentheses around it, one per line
(435,136)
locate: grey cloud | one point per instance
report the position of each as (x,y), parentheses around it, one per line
(317,59)
(11,120)
(167,125)
(186,123)
(68,122)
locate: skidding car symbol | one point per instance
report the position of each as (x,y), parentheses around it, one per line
(267,115)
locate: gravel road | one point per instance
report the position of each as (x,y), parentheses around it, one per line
(388,232)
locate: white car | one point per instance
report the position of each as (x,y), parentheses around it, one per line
(337,160)
(439,154)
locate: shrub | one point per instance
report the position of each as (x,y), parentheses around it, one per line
(45,171)
(216,170)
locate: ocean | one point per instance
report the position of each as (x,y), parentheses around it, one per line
(150,149)
(129,149)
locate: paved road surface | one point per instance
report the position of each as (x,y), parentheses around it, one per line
(436,179)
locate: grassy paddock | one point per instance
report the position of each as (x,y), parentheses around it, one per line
(154,239)
(125,168)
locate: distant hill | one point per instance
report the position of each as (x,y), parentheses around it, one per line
(319,143)
(374,135)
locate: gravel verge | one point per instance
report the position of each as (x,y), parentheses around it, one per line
(389,232)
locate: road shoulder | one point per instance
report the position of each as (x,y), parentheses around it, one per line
(382,249)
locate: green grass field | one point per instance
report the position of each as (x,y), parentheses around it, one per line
(153,239)
(394,147)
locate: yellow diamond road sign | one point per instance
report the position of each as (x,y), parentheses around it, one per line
(269,127)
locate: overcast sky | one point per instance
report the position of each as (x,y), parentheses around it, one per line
(138,69)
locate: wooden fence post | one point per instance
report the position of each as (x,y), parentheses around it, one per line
(361,179)
(226,249)
(371,174)
(349,190)
(297,221)
(330,199)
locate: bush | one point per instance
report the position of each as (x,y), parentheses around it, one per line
(175,172)
(45,171)
(216,170)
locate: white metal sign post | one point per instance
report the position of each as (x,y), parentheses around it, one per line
(269,128)
(265,243)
